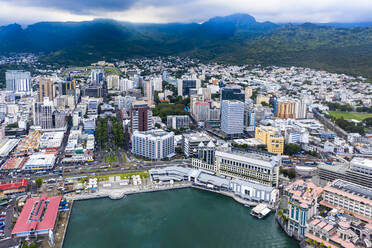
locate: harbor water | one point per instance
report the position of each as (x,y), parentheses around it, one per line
(174,218)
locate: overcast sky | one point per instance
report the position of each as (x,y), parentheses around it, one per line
(162,11)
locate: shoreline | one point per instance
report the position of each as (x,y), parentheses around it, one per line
(120,194)
(67,223)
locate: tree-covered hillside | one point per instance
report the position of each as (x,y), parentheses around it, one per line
(233,39)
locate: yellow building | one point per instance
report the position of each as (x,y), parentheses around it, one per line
(286,109)
(262,98)
(271,137)
(248,92)
(46,89)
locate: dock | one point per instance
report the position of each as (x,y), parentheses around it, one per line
(260,211)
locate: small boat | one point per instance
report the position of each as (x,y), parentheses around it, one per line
(247,205)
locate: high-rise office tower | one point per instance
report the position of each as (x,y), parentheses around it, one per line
(184,86)
(46,89)
(232,117)
(59,119)
(149,92)
(65,88)
(249,117)
(275,103)
(140,116)
(93,91)
(96,76)
(43,114)
(232,93)
(201,111)
(18,81)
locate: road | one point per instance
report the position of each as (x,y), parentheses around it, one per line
(142,166)
(61,149)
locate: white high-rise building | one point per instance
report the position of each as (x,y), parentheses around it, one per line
(301,109)
(18,81)
(112,82)
(125,84)
(157,84)
(155,144)
(75,119)
(201,111)
(232,117)
(124,102)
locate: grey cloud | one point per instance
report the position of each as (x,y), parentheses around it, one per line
(93,6)
(76,6)
(29,11)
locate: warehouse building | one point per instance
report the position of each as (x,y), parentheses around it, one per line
(38,217)
(40,161)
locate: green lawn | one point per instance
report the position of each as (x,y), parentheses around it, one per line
(112,70)
(124,157)
(111,159)
(350,115)
(143,174)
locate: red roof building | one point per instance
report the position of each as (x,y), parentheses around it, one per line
(13,188)
(38,216)
(14,163)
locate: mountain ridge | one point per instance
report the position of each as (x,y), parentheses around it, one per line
(235,39)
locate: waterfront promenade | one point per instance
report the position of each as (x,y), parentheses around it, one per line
(118,193)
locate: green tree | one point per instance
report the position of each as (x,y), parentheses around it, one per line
(290,173)
(99,108)
(254,95)
(13,125)
(368,122)
(290,149)
(39,182)
(215,95)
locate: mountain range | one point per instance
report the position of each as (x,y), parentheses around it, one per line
(234,39)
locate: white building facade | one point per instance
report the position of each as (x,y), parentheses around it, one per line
(154,144)
(232,117)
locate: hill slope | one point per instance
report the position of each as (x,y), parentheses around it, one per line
(234,39)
